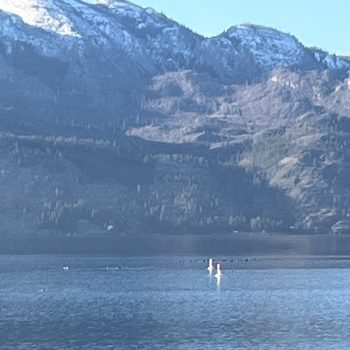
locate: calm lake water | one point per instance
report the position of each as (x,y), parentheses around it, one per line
(168,303)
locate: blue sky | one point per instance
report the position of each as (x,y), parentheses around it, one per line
(321,23)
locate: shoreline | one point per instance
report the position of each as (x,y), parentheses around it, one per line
(189,262)
(247,244)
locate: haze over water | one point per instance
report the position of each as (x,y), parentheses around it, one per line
(168,303)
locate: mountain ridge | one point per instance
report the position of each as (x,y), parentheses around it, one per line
(52,16)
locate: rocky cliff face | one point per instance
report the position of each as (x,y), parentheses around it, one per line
(116,118)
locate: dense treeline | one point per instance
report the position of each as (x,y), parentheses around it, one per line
(81,186)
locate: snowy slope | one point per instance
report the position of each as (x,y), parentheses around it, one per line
(272,48)
(153,42)
(331,61)
(40,13)
(269,47)
(170,45)
(70,19)
(116,32)
(151,39)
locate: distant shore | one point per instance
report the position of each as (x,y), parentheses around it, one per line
(236,244)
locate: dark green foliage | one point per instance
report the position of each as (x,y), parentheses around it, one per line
(91,186)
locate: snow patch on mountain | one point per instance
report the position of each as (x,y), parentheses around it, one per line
(15,33)
(169,44)
(119,4)
(269,47)
(330,61)
(41,13)
(115,29)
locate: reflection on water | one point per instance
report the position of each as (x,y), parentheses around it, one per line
(169,303)
(218,280)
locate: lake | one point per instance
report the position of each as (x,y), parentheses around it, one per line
(172,303)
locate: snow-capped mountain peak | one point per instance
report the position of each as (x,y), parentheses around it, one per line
(118,3)
(270,47)
(153,42)
(44,14)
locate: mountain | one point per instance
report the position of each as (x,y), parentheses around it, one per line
(117,119)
